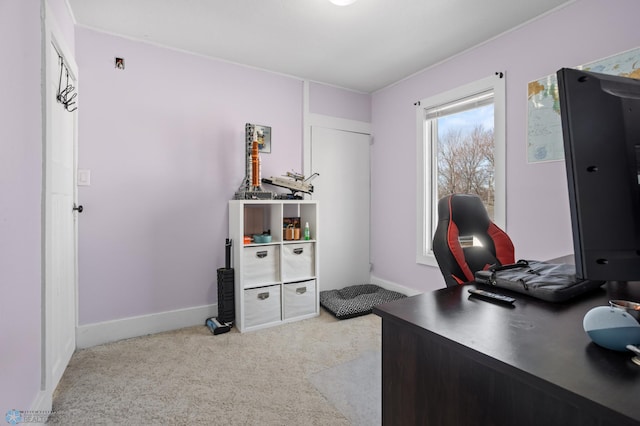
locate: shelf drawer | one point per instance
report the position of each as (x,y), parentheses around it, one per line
(260,265)
(299,298)
(262,305)
(298,261)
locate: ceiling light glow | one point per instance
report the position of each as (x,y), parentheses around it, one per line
(342,2)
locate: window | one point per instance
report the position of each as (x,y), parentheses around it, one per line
(461,149)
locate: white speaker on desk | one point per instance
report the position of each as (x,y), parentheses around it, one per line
(611,328)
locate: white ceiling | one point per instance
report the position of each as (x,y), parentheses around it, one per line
(365,46)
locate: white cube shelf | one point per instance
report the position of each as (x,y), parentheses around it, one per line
(275,282)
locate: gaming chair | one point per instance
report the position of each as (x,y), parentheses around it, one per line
(465,215)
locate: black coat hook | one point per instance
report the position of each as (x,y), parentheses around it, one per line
(66,96)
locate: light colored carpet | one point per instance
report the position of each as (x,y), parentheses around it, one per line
(286,375)
(354,388)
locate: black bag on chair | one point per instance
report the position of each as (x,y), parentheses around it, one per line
(553,282)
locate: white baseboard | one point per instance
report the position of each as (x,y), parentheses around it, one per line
(393,286)
(110,331)
(40,408)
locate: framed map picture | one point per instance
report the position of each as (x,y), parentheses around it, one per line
(544,128)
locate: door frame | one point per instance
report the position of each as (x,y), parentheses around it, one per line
(313,120)
(52,36)
(310,120)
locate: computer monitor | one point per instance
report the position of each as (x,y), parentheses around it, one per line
(601,130)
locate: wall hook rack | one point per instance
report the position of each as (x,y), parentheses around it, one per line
(67,94)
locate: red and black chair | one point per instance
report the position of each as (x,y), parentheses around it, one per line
(464,215)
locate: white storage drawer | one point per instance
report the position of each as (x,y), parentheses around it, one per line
(299,298)
(298,261)
(262,305)
(260,265)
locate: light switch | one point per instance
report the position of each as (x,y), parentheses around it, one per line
(84,177)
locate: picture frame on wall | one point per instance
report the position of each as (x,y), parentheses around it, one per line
(263,135)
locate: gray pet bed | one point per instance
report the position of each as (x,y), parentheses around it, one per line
(356,300)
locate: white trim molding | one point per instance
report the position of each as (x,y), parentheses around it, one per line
(110,331)
(394,286)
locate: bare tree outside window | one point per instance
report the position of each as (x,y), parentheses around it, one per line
(466,163)
(463,145)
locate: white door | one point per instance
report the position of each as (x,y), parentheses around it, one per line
(343,190)
(59,302)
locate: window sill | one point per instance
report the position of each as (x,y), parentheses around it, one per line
(428,259)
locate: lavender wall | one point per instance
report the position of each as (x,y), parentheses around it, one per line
(336,102)
(164,140)
(537,202)
(20,185)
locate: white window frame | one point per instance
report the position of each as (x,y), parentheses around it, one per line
(426,209)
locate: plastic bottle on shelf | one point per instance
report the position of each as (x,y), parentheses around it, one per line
(307,234)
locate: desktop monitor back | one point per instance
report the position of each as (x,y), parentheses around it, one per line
(601,130)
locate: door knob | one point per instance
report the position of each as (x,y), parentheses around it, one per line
(78,208)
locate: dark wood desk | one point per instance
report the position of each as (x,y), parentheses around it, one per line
(450,359)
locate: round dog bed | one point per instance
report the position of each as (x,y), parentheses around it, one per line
(356,300)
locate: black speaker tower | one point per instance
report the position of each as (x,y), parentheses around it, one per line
(226,299)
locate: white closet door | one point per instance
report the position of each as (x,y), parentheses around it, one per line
(343,190)
(59,304)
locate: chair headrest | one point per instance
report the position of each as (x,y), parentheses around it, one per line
(467,211)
